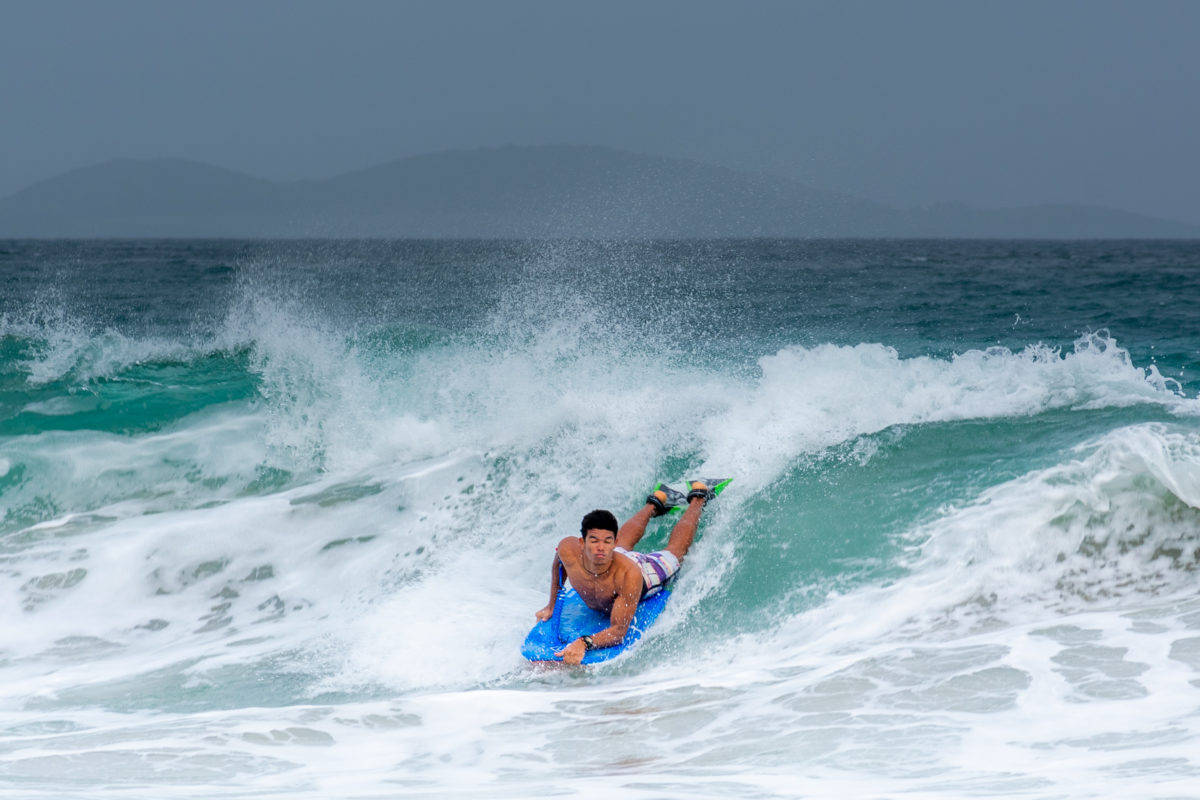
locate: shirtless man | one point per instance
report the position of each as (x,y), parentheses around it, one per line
(609,576)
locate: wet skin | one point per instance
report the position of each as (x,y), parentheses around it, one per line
(608,581)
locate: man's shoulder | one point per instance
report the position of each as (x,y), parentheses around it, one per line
(570,545)
(630,572)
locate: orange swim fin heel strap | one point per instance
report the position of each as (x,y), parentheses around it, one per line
(706,488)
(664,498)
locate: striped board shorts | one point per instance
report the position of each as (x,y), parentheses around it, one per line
(657,568)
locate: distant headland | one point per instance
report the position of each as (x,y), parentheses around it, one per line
(558,191)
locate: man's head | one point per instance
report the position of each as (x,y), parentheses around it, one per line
(598,520)
(599,532)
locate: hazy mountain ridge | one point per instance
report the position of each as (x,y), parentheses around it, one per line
(536,192)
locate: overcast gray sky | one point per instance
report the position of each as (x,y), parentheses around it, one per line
(911,103)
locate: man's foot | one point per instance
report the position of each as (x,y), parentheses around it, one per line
(664,498)
(705,489)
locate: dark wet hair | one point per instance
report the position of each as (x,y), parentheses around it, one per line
(598,519)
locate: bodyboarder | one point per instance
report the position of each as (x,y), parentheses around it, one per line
(609,575)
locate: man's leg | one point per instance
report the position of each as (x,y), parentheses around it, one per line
(685,530)
(634,528)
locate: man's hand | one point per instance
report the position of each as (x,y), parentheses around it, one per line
(573,653)
(545,613)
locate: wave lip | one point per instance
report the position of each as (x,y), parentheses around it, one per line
(809,399)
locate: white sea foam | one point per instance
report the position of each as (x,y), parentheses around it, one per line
(66,348)
(811,398)
(210,458)
(409,560)
(1060,607)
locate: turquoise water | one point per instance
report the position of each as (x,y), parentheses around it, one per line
(275,517)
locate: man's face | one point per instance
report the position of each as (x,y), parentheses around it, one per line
(598,544)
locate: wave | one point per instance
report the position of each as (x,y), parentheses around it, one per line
(306,484)
(557,383)
(809,399)
(1114,524)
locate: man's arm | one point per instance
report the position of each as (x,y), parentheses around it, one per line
(547,612)
(624,607)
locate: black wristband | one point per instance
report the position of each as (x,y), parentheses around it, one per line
(587,643)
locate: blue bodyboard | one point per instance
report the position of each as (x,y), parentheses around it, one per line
(572,619)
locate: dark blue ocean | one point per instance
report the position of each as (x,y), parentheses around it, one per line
(276,516)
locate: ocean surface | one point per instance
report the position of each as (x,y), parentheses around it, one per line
(276,516)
